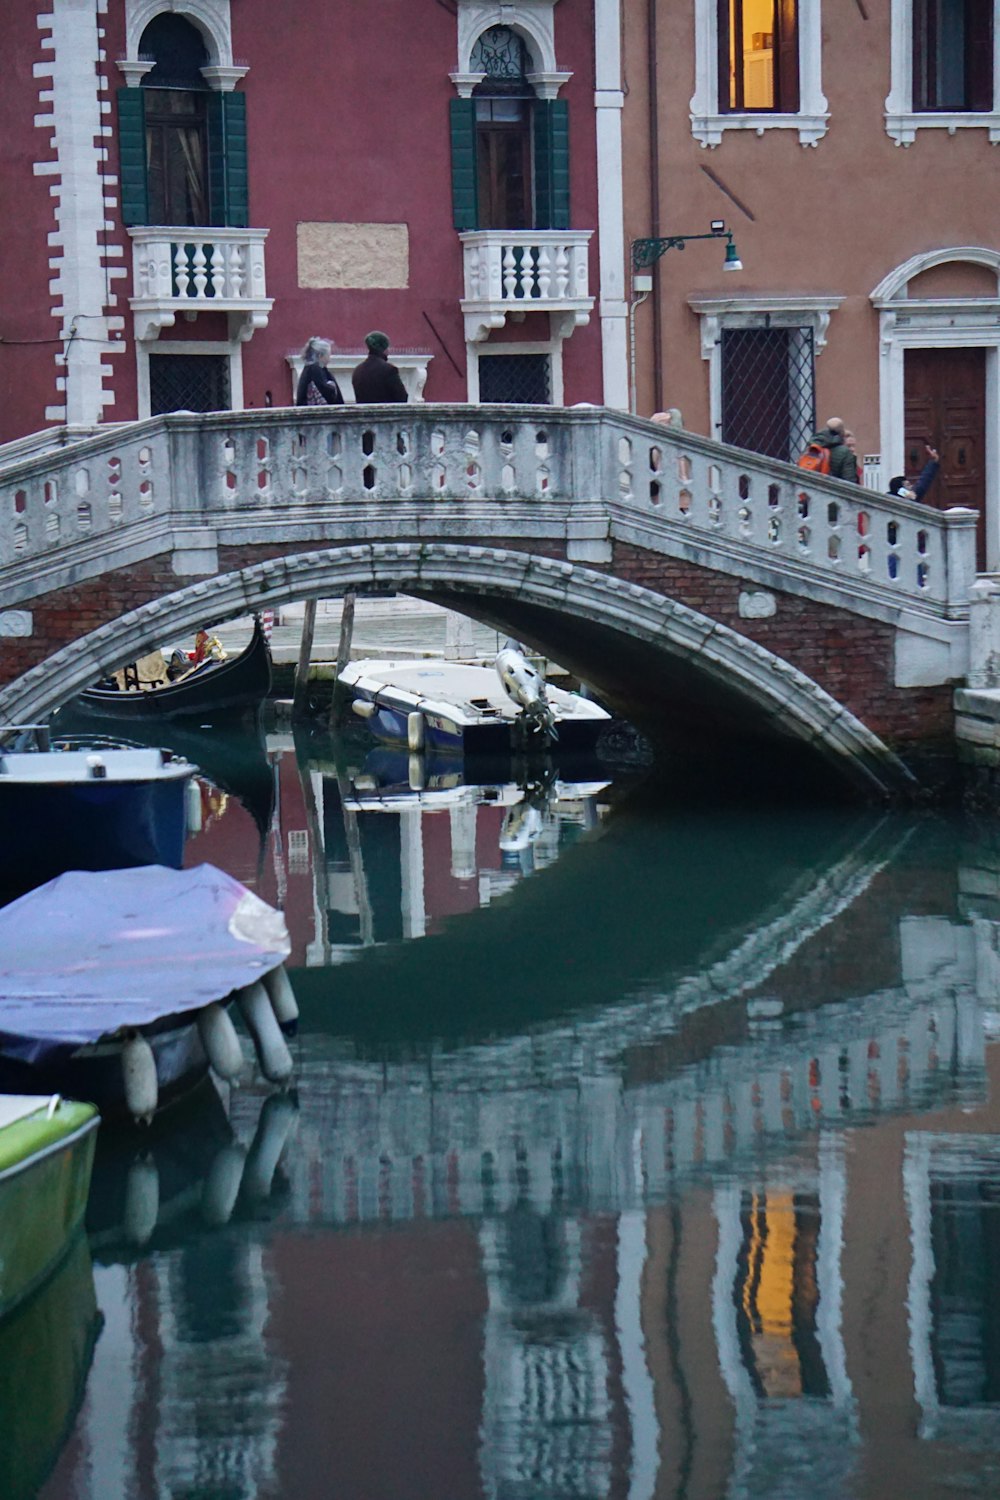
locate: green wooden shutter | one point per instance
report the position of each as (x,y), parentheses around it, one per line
(464,190)
(551,164)
(227,160)
(132,156)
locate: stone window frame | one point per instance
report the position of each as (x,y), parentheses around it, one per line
(231,349)
(708,122)
(211,17)
(552,348)
(717,313)
(902,121)
(533,20)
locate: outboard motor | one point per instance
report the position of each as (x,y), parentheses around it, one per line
(526,687)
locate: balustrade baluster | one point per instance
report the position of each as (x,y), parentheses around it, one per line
(200,273)
(562,271)
(509,271)
(181,273)
(544,272)
(237,254)
(217,270)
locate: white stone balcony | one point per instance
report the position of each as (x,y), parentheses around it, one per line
(515,271)
(193,269)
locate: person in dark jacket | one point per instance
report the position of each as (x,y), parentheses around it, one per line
(316,385)
(843,464)
(901,486)
(375,379)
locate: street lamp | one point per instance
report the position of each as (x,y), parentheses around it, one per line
(645,254)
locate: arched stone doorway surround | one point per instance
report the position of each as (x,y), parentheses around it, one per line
(941,299)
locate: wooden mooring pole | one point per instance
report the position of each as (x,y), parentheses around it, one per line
(305,657)
(343,654)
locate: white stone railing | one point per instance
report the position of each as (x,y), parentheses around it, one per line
(809,526)
(469,473)
(197,269)
(517,271)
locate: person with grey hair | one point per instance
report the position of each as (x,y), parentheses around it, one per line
(375,379)
(842,462)
(317,386)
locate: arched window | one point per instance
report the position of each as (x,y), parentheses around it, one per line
(182,144)
(503,130)
(176,122)
(510,148)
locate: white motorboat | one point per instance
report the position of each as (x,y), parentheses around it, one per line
(469,707)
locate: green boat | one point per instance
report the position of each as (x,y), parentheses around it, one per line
(46,1155)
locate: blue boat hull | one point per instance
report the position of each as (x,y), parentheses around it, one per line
(390,726)
(95,825)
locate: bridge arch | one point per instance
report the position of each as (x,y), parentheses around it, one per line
(611,633)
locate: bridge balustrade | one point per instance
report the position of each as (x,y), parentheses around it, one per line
(479,471)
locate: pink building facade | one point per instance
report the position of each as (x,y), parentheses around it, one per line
(192,192)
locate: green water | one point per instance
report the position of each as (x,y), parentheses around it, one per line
(653,1154)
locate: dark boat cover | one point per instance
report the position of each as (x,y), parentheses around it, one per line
(91,952)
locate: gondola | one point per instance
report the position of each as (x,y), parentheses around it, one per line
(211,691)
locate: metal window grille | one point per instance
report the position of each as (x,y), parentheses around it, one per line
(188,382)
(500,54)
(768,391)
(520,378)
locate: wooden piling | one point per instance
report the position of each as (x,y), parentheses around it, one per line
(305,657)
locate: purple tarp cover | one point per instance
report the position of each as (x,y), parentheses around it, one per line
(91,952)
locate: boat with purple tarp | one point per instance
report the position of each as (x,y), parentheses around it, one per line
(115,985)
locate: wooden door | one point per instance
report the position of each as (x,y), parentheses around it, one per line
(945,405)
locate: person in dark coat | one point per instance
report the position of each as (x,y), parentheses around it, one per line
(843,464)
(901,486)
(316,385)
(375,379)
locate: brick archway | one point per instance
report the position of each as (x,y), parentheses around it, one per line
(507,586)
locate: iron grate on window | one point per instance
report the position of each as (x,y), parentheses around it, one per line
(516,378)
(768,399)
(188,382)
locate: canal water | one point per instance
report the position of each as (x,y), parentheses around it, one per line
(639,1146)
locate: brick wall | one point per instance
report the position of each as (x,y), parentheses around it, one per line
(850,657)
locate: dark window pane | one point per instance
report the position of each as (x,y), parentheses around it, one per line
(767,390)
(188,382)
(179,50)
(176,157)
(520,378)
(952,55)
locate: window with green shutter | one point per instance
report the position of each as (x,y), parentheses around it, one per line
(227,160)
(464,195)
(551,164)
(509,149)
(132,155)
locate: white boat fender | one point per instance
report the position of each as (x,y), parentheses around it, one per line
(271,1048)
(139,1077)
(363,708)
(283,1001)
(415,732)
(193,806)
(142,1200)
(222,1184)
(416,773)
(221,1044)
(276,1124)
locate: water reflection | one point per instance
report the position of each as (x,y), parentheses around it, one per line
(671,1170)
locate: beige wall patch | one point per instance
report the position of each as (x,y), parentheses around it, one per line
(353,257)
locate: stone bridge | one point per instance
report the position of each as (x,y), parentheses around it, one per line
(724,602)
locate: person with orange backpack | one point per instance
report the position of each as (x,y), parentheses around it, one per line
(827,452)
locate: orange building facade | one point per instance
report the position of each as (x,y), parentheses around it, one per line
(849,149)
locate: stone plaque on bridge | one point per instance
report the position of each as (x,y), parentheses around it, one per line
(15,622)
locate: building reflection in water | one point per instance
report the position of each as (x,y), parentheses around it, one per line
(731,1232)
